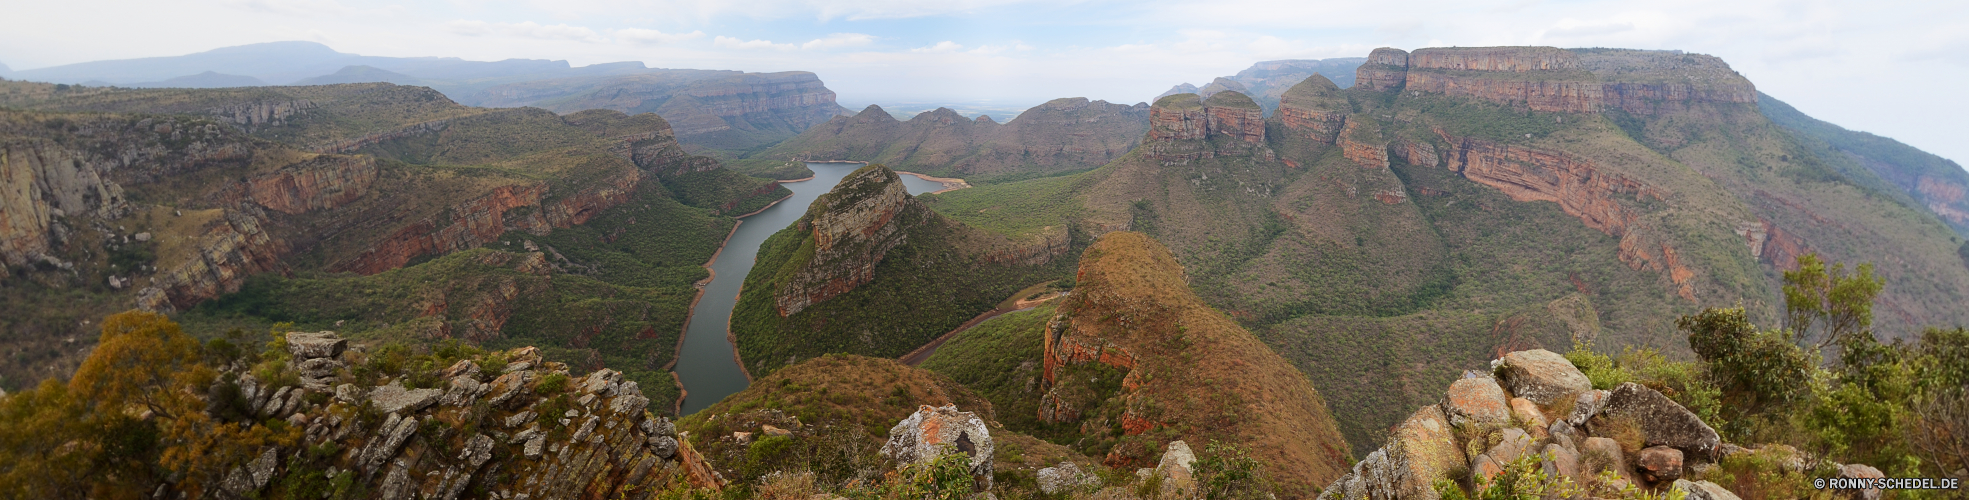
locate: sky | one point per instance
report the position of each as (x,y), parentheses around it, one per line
(1885,66)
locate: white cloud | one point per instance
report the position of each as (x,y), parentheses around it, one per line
(839,40)
(941,47)
(639,36)
(734,43)
(527,29)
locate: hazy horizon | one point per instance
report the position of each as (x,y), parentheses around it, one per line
(1836,61)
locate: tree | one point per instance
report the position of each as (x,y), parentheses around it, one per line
(1838,303)
(1757,370)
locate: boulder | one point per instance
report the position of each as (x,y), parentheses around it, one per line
(1484,468)
(463,367)
(1514,446)
(311,345)
(319,367)
(1601,454)
(1541,376)
(349,393)
(1658,464)
(1525,411)
(262,468)
(663,447)
(1860,471)
(394,398)
(1421,450)
(1560,462)
(1662,421)
(1178,479)
(1065,477)
(932,432)
(1586,406)
(1478,403)
(1704,490)
(770,430)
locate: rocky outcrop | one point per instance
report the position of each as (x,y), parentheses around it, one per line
(1235,116)
(1430,448)
(320,183)
(486,434)
(252,115)
(1361,141)
(851,228)
(226,249)
(42,184)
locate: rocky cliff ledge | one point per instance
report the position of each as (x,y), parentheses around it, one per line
(850,228)
(1557,80)
(499,425)
(1536,414)
(1580,187)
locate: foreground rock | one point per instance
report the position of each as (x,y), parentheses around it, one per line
(933,432)
(489,433)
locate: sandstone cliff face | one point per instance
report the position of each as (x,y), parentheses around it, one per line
(1386,68)
(40,185)
(483,219)
(225,251)
(321,183)
(1569,81)
(851,227)
(1184,127)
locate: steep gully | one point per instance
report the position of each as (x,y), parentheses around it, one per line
(706,364)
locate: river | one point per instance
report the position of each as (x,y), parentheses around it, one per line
(706,365)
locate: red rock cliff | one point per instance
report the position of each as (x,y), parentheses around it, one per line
(1386,68)
(1314,109)
(1233,124)
(1581,189)
(483,219)
(1570,81)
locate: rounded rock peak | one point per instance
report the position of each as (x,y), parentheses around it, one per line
(1388,55)
(1180,101)
(1230,99)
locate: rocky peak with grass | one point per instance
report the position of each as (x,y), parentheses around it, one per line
(1187,127)
(851,228)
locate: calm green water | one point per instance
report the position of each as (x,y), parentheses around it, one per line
(706,366)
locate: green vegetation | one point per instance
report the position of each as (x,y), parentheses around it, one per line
(1000,360)
(1016,209)
(921,289)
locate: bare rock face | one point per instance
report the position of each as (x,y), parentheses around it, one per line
(1704,490)
(1541,376)
(1558,80)
(852,227)
(933,432)
(1179,480)
(1662,420)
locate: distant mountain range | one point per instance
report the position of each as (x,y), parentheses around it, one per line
(727,110)
(1265,81)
